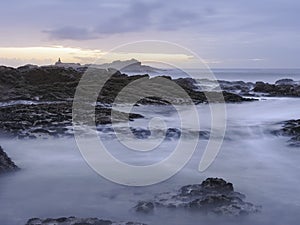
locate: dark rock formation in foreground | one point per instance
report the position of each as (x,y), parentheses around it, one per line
(50,119)
(290,128)
(6,164)
(77,221)
(212,196)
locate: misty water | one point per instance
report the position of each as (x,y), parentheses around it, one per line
(55,181)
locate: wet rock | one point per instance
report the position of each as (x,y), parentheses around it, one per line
(210,185)
(140,133)
(37,101)
(237,87)
(281,88)
(51,83)
(212,196)
(144,207)
(51,119)
(169,134)
(290,128)
(173,133)
(77,221)
(285,81)
(6,164)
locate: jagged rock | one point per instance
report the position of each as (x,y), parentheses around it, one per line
(290,128)
(169,134)
(49,92)
(6,164)
(52,83)
(140,133)
(238,87)
(77,221)
(50,119)
(173,133)
(214,195)
(144,207)
(280,88)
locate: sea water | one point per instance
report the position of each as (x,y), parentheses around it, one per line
(55,180)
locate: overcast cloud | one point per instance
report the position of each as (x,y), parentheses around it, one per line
(228,31)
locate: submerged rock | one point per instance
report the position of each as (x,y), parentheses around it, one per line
(144,206)
(290,128)
(77,221)
(6,164)
(214,195)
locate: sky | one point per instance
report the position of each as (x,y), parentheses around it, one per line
(224,33)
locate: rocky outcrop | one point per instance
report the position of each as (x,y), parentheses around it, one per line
(52,83)
(77,221)
(6,164)
(37,101)
(50,119)
(238,87)
(212,196)
(281,88)
(290,128)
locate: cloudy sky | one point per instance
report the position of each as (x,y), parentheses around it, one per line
(225,33)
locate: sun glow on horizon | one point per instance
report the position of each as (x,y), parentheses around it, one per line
(48,55)
(45,55)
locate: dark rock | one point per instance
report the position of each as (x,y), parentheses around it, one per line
(52,83)
(140,133)
(285,81)
(237,87)
(6,164)
(49,91)
(173,133)
(210,185)
(144,207)
(76,221)
(51,119)
(282,88)
(290,128)
(214,195)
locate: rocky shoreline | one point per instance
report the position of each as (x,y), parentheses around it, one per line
(50,83)
(37,101)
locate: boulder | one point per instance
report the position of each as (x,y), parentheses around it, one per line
(212,196)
